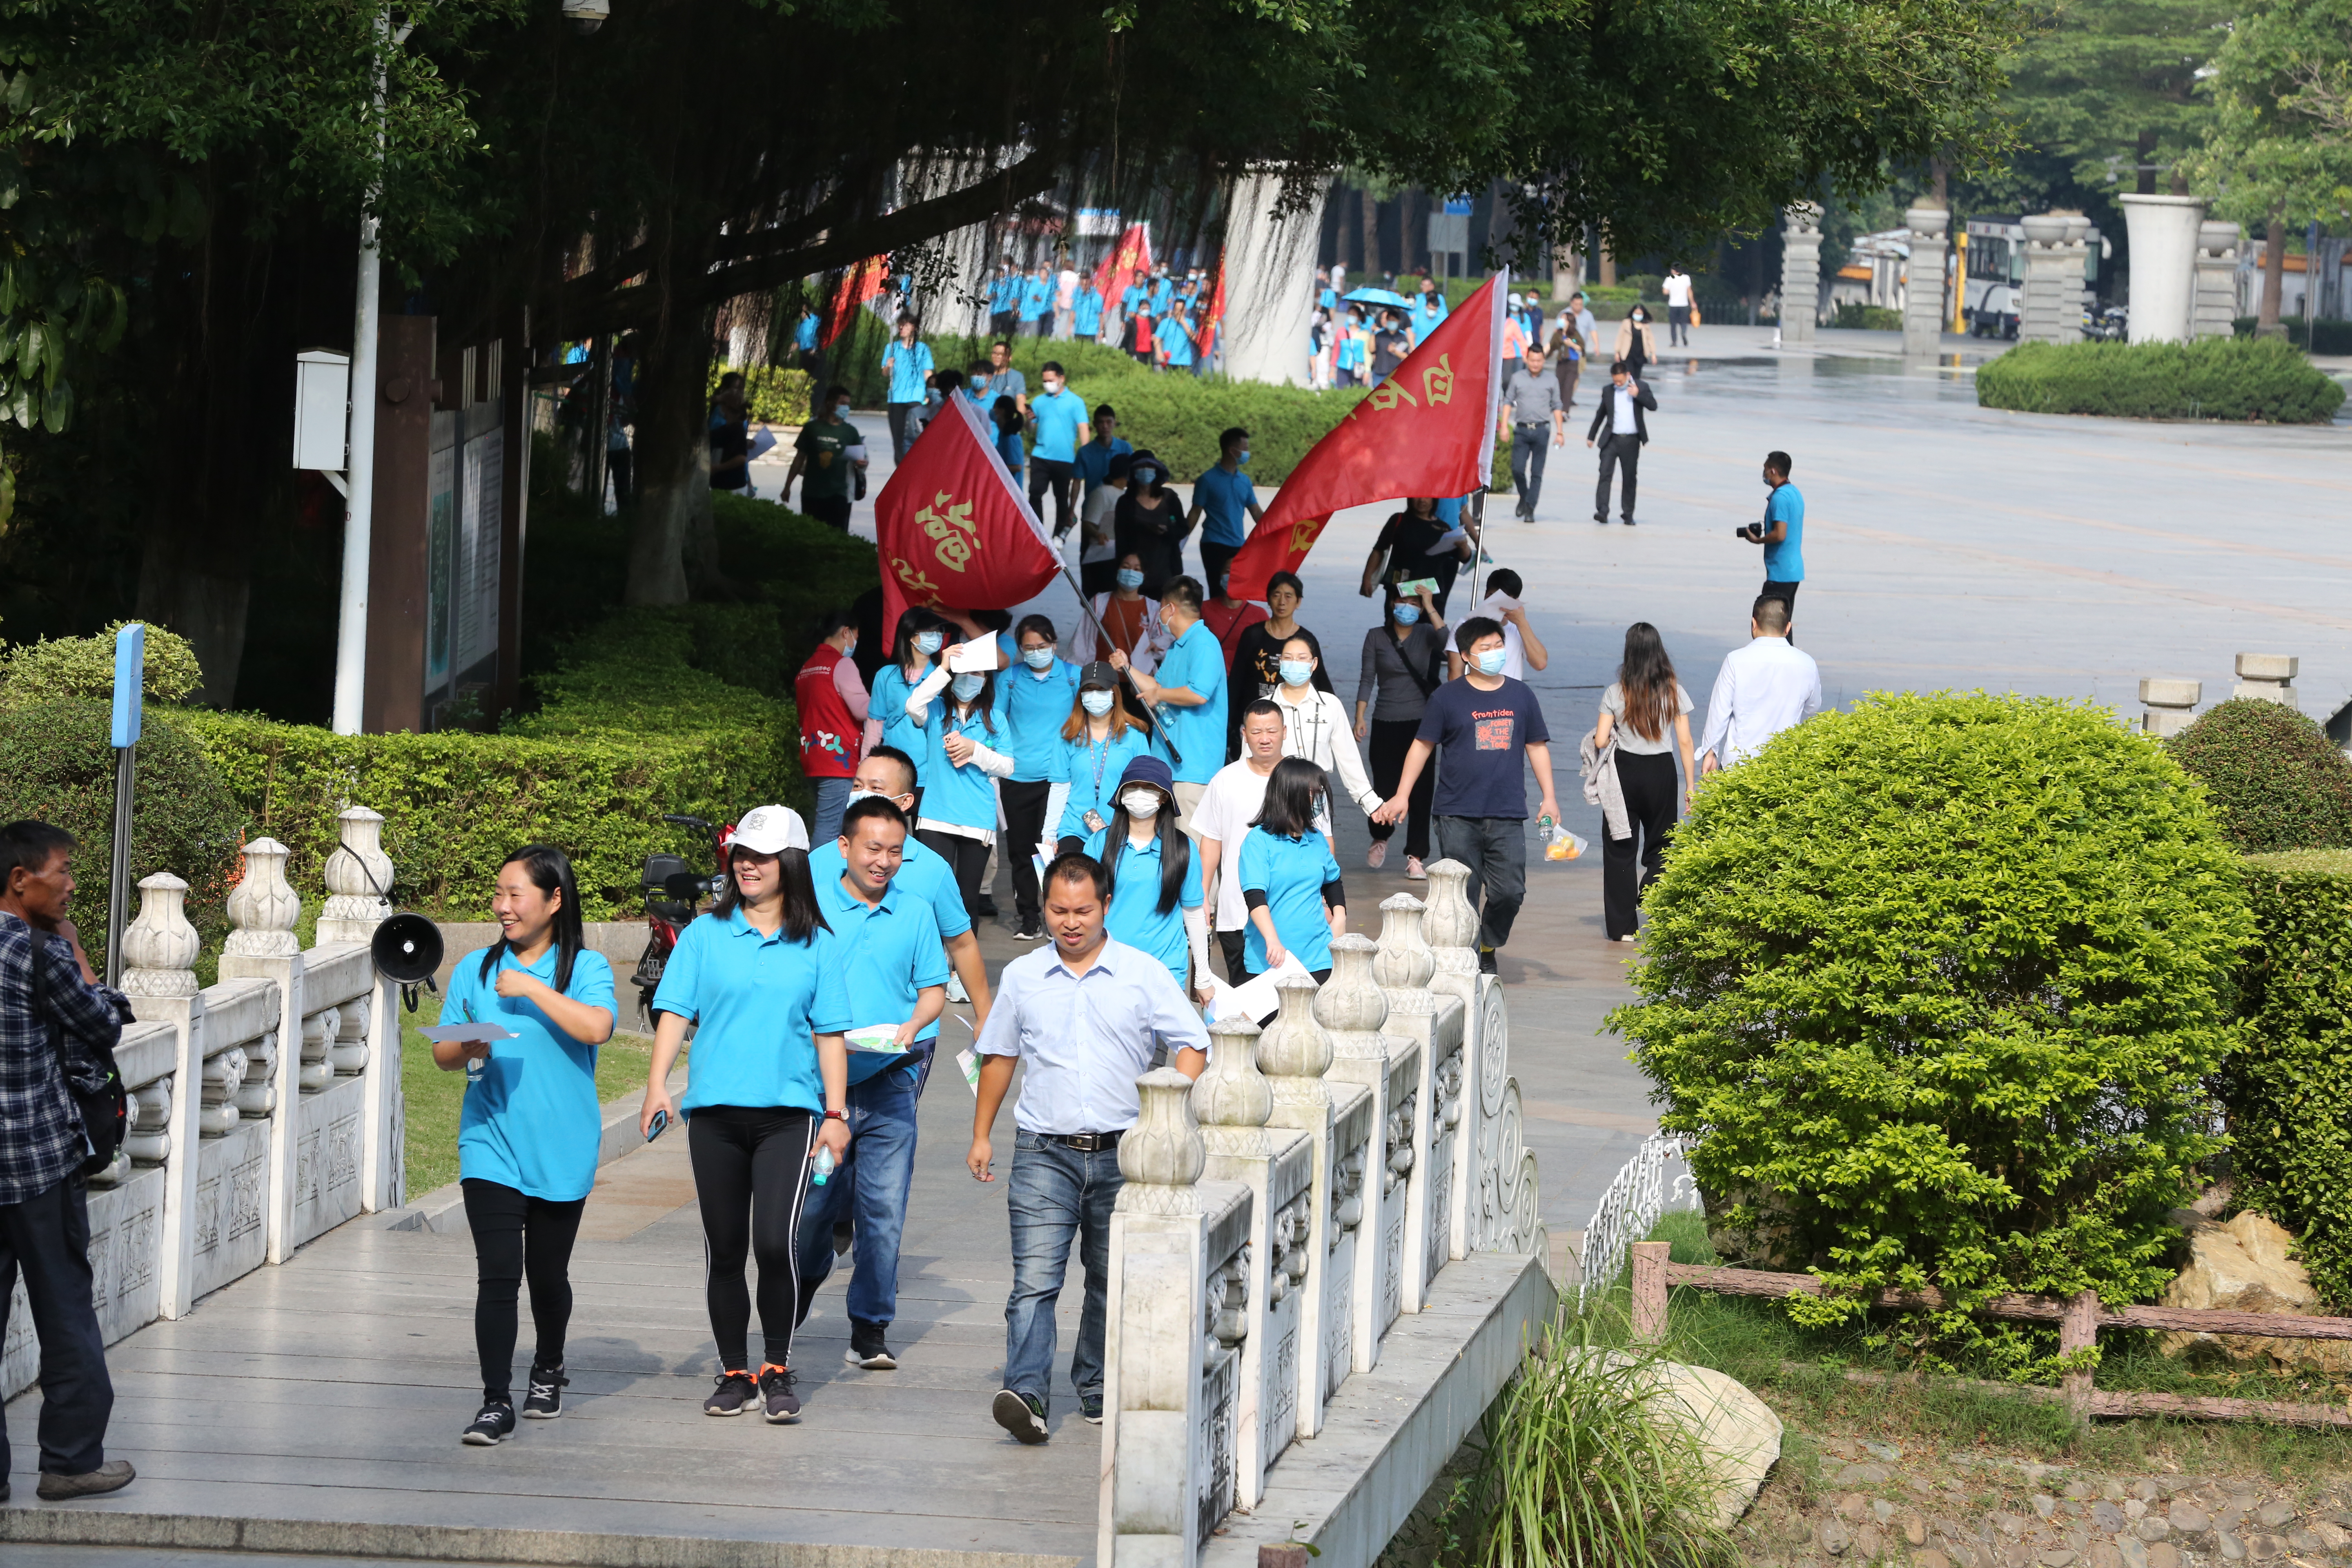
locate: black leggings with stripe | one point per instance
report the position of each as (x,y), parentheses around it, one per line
(751,1173)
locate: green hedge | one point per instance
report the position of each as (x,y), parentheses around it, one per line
(2274,779)
(2211,378)
(777,395)
(1867,318)
(2289,1086)
(2328,335)
(1940,984)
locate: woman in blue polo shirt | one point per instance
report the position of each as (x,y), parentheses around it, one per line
(528,1134)
(1155,883)
(1097,742)
(1289,881)
(766,1090)
(921,634)
(970,747)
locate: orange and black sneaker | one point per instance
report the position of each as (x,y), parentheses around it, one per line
(734,1394)
(779,1403)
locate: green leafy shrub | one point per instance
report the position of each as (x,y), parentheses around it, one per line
(2211,378)
(1939,983)
(2327,335)
(84,667)
(775,394)
(57,763)
(1867,318)
(2289,1086)
(2274,779)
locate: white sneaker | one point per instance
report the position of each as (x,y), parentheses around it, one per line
(1413,870)
(1376,854)
(956,993)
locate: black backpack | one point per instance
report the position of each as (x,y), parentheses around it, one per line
(105,1113)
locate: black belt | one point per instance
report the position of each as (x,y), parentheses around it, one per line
(1084,1142)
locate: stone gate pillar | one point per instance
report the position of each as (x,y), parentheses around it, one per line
(1801,273)
(1923,301)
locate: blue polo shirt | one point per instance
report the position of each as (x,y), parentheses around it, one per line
(1134,917)
(1093,458)
(1196,661)
(1225,498)
(1089,311)
(907,367)
(1036,704)
(1785,562)
(893,951)
(1034,293)
(1004,294)
(1163,294)
(889,707)
(924,873)
(1175,340)
(1422,317)
(1060,417)
(531,1121)
(758,1002)
(1092,773)
(963,795)
(1291,873)
(804,334)
(1132,298)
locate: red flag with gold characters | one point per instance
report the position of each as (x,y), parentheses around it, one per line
(1427,430)
(1131,255)
(953,528)
(859,285)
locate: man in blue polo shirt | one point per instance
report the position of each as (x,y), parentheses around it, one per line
(1222,498)
(1429,309)
(1187,696)
(890,773)
(1036,303)
(1089,309)
(897,979)
(1003,301)
(1057,418)
(1781,533)
(1163,293)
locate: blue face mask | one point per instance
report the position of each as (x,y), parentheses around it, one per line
(1297,671)
(929,642)
(1095,703)
(1037,657)
(1407,614)
(1241,457)
(967,685)
(1491,662)
(1131,579)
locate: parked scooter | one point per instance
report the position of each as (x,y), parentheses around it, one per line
(674,894)
(2111,325)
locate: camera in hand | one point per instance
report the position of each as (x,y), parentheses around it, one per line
(1749,530)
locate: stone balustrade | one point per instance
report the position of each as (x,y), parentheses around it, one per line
(1281,1215)
(239,1150)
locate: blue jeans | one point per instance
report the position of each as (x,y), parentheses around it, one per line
(832,800)
(870,1189)
(1057,1193)
(46,1238)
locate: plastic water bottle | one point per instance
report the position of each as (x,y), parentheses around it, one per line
(824,1167)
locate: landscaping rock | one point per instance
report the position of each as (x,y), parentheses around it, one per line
(1833,1538)
(2107,1517)
(2243,1267)
(2188,1518)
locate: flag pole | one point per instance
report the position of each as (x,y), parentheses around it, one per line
(1486,446)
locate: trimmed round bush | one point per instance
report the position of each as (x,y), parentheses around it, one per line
(2211,378)
(2273,778)
(84,666)
(1937,984)
(57,763)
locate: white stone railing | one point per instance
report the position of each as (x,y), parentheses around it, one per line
(1281,1215)
(241,1150)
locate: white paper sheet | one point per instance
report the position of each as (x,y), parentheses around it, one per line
(1254,999)
(974,657)
(467,1033)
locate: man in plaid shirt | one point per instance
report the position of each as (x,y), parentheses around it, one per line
(44,1211)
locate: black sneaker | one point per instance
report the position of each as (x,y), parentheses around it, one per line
(1628,521)
(1091,1409)
(492,1426)
(734,1394)
(545,1400)
(1032,931)
(1601,518)
(988,905)
(868,1349)
(1486,964)
(780,1404)
(1020,1416)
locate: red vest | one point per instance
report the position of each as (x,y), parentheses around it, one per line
(830,737)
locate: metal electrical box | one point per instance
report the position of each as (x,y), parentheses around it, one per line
(322,410)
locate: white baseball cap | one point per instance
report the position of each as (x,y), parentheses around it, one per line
(769,830)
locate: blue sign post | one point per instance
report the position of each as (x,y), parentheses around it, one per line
(130,693)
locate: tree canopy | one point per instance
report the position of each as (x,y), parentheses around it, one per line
(2282,90)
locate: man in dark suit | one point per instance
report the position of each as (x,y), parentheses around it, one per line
(1620,433)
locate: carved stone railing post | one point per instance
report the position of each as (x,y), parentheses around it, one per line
(1923,290)
(1801,273)
(2051,312)
(1232,1101)
(1353,1007)
(2215,305)
(158,955)
(1404,968)
(1294,1053)
(359,877)
(262,946)
(1451,926)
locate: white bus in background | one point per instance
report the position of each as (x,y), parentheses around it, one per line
(1996,274)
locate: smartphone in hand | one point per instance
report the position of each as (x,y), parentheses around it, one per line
(659,1125)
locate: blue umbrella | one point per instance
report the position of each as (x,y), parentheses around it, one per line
(1376,297)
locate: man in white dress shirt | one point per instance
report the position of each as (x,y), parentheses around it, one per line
(1763,689)
(1085,1016)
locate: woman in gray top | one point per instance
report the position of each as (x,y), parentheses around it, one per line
(1646,712)
(1404,659)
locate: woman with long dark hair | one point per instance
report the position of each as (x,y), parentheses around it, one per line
(1099,739)
(914,649)
(528,1131)
(766,1092)
(1645,713)
(1155,883)
(1290,883)
(968,744)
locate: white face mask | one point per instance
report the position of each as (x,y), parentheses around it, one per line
(1095,703)
(929,642)
(1143,804)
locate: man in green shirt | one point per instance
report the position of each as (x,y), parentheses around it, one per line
(827,458)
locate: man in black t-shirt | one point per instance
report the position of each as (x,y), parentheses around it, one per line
(1405,545)
(1389,345)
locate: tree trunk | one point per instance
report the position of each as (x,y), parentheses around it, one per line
(1371,211)
(2145,184)
(1566,270)
(2266,318)
(672,457)
(1608,265)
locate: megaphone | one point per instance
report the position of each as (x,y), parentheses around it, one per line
(407,947)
